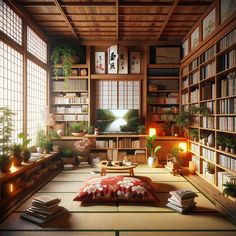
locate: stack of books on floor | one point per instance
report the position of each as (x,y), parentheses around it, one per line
(43,209)
(182,201)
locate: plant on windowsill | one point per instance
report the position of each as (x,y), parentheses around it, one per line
(152,150)
(16,150)
(6,128)
(25,150)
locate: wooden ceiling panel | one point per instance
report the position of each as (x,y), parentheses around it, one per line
(116,19)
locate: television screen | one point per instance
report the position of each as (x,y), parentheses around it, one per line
(115,121)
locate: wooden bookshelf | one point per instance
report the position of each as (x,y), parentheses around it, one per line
(212,66)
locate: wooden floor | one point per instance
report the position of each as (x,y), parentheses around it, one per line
(122,220)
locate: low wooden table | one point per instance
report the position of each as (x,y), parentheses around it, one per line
(116,167)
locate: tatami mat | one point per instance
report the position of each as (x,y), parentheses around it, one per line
(122,218)
(181,233)
(47,233)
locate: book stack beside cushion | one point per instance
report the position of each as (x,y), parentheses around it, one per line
(43,209)
(182,201)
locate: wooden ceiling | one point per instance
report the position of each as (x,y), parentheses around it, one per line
(95,20)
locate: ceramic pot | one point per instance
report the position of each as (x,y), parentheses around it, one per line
(211,140)
(153,162)
(60,132)
(55,148)
(40,149)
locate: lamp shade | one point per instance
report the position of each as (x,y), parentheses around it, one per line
(152,131)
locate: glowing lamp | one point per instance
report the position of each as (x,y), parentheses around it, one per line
(152,131)
(11,188)
(183,146)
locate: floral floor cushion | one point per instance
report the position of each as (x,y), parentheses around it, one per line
(116,189)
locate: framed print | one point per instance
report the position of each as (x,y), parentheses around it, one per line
(185,48)
(166,55)
(100,64)
(112,60)
(123,60)
(208,24)
(195,38)
(227,8)
(134,64)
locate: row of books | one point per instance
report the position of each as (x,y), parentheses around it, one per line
(182,201)
(165,100)
(163,85)
(184,98)
(210,177)
(194,148)
(185,70)
(208,122)
(79,84)
(74,117)
(44,208)
(161,109)
(228,40)
(196,161)
(194,78)
(193,65)
(194,96)
(129,143)
(72,100)
(159,117)
(228,60)
(210,105)
(208,70)
(106,143)
(73,109)
(185,82)
(224,177)
(227,106)
(208,91)
(209,154)
(228,86)
(227,162)
(227,123)
(208,54)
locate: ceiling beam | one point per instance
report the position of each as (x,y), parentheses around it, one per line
(66,19)
(114,14)
(167,19)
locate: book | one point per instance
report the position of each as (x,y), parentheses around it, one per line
(181,203)
(46,212)
(186,205)
(180,209)
(46,199)
(39,221)
(43,206)
(183,194)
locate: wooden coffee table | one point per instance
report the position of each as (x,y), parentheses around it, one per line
(116,167)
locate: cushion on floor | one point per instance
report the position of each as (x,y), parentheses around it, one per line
(116,189)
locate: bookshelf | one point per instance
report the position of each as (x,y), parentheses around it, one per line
(208,79)
(118,146)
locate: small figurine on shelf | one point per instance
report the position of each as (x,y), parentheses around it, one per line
(109,163)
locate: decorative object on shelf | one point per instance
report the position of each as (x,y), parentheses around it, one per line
(229,189)
(185,48)
(83,147)
(135,62)
(194,133)
(16,150)
(208,23)
(152,150)
(210,168)
(66,55)
(25,149)
(113,59)
(141,129)
(100,64)
(6,128)
(228,7)
(40,140)
(78,128)
(68,156)
(195,38)
(167,55)
(211,140)
(123,60)
(60,132)
(220,140)
(230,144)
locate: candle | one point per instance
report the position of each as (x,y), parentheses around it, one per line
(191,167)
(11,188)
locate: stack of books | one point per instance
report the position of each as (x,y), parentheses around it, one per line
(44,208)
(182,201)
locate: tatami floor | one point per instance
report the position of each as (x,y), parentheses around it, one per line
(122,220)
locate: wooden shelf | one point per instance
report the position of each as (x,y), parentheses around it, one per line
(80,66)
(163,77)
(70,77)
(117,77)
(157,66)
(69,91)
(164,91)
(69,104)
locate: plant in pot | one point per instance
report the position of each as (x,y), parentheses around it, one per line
(54,135)
(231,144)
(152,150)
(78,128)
(16,150)
(194,134)
(141,129)
(68,156)
(229,189)
(227,144)
(221,142)
(210,168)
(40,140)
(25,150)
(6,128)
(91,129)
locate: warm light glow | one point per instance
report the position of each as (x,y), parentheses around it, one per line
(152,131)
(183,146)
(11,188)
(191,167)
(13,168)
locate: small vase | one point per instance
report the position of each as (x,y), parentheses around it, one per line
(40,149)
(153,162)
(232,150)
(211,140)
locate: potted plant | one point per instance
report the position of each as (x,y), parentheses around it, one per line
(66,54)
(174,160)
(141,129)
(6,128)
(16,150)
(54,135)
(91,129)
(194,134)
(40,140)
(221,142)
(25,149)
(231,144)
(227,144)
(229,189)
(68,156)
(78,128)
(152,150)
(210,168)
